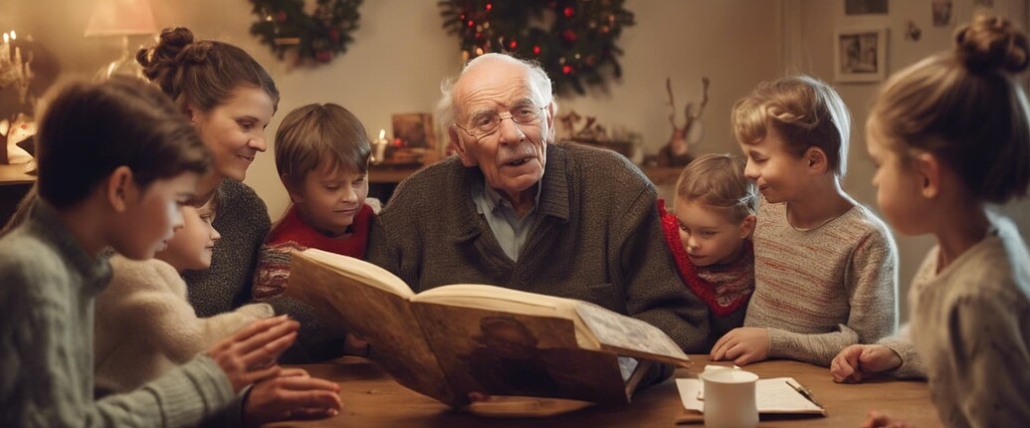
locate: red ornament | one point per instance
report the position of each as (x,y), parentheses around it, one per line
(324,55)
(489,6)
(472,23)
(569,12)
(512,45)
(281,16)
(334,35)
(569,36)
(567,69)
(536,50)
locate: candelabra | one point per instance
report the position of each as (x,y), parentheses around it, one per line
(14,70)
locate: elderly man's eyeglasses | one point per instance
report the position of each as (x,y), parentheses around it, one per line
(485,124)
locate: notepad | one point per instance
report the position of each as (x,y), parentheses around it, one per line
(772,396)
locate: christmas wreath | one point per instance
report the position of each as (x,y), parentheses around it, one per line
(283,24)
(574,40)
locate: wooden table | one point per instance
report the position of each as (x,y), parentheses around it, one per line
(372,399)
(14,183)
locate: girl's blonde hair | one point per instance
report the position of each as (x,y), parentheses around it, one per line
(718,180)
(966,109)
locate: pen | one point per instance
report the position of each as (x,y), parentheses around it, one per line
(804,392)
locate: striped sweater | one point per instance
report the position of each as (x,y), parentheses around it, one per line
(822,289)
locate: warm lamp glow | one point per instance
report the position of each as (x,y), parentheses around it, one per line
(121,18)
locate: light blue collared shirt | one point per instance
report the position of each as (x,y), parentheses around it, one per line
(510,230)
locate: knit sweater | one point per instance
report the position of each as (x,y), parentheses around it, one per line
(597,238)
(47,286)
(822,289)
(970,331)
(145,326)
(242,220)
(318,340)
(724,288)
(293,234)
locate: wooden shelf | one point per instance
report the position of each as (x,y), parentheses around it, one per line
(15,174)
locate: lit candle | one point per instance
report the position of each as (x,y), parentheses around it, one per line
(5,50)
(17,63)
(381,144)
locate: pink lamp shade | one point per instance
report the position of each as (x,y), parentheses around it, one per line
(121,18)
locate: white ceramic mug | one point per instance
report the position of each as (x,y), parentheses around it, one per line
(729,396)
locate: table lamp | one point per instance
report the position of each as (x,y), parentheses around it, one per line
(121,18)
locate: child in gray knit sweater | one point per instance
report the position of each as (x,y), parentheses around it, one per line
(117,159)
(949,135)
(825,266)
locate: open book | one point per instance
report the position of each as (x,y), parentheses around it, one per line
(449,341)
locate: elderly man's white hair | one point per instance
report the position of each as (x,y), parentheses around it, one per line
(446,111)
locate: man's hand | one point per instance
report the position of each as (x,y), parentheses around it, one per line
(857,362)
(743,345)
(291,395)
(249,354)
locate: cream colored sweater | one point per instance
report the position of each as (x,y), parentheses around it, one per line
(822,289)
(970,332)
(145,326)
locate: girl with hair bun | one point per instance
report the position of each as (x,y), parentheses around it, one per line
(949,135)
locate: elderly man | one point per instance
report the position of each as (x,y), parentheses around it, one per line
(515,210)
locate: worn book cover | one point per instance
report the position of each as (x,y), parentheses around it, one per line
(462,338)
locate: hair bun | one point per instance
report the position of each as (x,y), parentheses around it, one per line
(172,43)
(990,43)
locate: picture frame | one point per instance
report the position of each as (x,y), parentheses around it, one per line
(860,54)
(414,130)
(865,7)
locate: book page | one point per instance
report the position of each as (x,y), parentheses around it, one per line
(629,336)
(772,396)
(360,271)
(491,297)
(511,354)
(384,319)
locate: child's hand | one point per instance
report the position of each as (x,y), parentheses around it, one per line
(856,362)
(291,395)
(257,310)
(249,354)
(880,420)
(743,345)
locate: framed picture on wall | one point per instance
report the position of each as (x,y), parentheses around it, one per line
(414,130)
(865,7)
(860,54)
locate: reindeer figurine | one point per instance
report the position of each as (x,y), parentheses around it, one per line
(677,151)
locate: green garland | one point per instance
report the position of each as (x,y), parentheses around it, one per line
(283,25)
(578,45)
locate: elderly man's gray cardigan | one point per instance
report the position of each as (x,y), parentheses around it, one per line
(597,238)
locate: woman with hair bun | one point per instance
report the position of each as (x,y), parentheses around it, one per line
(230,99)
(949,135)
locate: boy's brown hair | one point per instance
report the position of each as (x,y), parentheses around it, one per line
(804,111)
(718,180)
(312,134)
